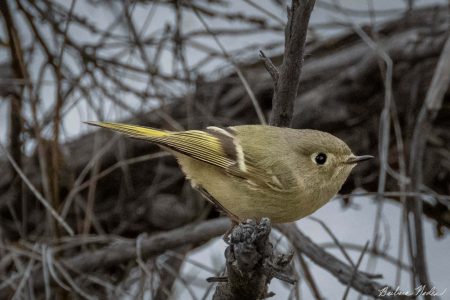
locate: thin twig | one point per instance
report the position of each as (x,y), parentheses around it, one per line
(309,278)
(267,12)
(38,195)
(355,270)
(124,251)
(343,272)
(270,67)
(259,112)
(26,275)
(335,239)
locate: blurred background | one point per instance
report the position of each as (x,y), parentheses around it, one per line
(67,190)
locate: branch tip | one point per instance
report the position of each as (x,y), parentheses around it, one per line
(270,67)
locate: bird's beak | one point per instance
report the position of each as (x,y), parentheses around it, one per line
(357,159)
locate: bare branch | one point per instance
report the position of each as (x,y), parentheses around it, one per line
(125,251)
(358,263)
(344,273)
(291,69)
(15,113)
(428,112)
(270,67)
(38,195)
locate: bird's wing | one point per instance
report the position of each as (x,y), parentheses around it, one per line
(220,147)
(215,146)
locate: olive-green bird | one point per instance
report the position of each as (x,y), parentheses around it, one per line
(255,171)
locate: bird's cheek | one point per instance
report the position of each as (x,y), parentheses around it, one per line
(347,171)
(341,173)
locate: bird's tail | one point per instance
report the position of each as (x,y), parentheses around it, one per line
(138,132)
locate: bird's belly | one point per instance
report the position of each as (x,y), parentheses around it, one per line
(246,201)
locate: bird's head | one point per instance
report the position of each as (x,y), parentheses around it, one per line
(325,158)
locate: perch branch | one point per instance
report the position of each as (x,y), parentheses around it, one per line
(251,263)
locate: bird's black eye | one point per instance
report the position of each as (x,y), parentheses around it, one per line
(321,158)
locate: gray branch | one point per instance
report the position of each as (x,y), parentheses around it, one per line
(126,251)
(428,112)
(346,274)
(251,263)
(286,87)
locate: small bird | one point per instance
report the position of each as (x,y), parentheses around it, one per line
(256,171)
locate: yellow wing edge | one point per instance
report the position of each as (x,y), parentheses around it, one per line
(135,131)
